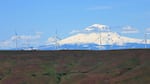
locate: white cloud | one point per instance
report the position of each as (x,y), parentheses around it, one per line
(27,37)
(5,44)
(129,30)
(97,26)
(38,33)
(53,40)
(89,29)
(74,31)
(148,30)
(22,39)
(100,8)
(92,28)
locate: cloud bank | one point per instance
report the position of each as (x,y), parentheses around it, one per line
(21,40)
(129,30)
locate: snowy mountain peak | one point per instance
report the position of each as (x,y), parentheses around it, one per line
(96,36)
(103,38)
(101,35)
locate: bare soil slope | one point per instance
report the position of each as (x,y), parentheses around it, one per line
(75,67)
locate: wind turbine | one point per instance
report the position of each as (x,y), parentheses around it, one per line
(16,40)
(110,40)
(100,38)
(57,40)
(145,36)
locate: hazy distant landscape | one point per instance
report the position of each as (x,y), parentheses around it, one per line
(75,67)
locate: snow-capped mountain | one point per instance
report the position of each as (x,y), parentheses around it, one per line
(103,38)
(99,34)
(95,37)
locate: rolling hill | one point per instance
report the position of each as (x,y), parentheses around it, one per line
(75,67)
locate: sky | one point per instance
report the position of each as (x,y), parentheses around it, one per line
(40,19)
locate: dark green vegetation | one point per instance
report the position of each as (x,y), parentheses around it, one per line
(75,67)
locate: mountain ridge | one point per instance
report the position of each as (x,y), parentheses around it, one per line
(98,36)
(94,37)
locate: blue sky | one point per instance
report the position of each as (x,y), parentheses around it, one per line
(27,17)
